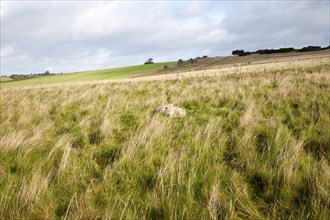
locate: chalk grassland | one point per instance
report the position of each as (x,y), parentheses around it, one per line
(157,69)
(88,76)
(254,145)
(240,61)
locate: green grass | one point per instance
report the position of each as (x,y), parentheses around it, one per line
(246,149)
(5,79)
(87,76)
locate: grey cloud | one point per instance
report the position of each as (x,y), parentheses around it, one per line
(73,36)
(281,24)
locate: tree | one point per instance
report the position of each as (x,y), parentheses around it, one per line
(310,48)
(180,62)
(238,52)
(47,72)
(149,61)
(286,50)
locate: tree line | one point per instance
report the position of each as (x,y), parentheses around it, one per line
(32,75)
(281,50)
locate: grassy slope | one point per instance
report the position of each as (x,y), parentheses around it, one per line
(253,146)
(106,74)
(5,79)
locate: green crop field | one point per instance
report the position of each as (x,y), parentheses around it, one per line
(255,144)
(105,74)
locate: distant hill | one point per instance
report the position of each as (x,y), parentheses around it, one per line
(192,64)
(94,75)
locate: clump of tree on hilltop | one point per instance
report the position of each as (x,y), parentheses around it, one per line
(281,50)
(32,75)
(149,61)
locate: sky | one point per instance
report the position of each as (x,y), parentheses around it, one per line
(70,36)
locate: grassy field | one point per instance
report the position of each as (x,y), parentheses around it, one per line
(5,79)
(95,75)
(255,145)
(240,61)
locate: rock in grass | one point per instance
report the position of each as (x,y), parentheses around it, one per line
(171,110)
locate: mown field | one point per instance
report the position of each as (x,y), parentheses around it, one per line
(255,144)
(88,76)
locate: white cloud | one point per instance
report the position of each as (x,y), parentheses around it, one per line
(6,50)
(73,36)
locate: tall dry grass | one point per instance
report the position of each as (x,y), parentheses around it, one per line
(254,144)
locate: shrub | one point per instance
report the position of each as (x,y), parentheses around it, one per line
(191,60)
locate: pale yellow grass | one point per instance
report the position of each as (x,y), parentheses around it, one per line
(48,119)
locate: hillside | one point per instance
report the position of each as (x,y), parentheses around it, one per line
(214,63)
(87,76)
(240,61)
(254,145)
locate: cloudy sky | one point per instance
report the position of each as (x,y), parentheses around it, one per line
(68,36)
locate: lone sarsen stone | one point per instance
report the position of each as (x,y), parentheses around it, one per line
(171,110)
